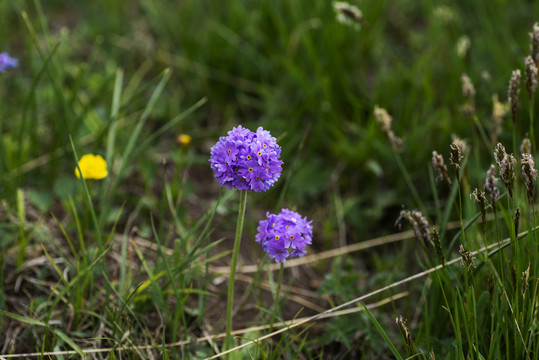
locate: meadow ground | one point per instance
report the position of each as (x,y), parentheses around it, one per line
(407,139)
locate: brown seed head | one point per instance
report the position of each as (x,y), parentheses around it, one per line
(468,90)
(534,44)
(479,197)
(499,153)
(526,146)
(531,76)
(506,167)
(439,166)
(348,14)
(467,258)
(419,223)
(490,187)
(456,155)
(525,279)
(384,121)
(401,323)
(438,245)
(529,173)
(512,93)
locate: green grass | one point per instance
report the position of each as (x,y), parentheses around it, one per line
(136,264)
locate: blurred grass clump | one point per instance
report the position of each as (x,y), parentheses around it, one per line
(151,85)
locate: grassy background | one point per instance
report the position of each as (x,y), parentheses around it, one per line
(124,79)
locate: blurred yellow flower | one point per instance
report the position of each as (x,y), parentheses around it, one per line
(184,139)
(92,167)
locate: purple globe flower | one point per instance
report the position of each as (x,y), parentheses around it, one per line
(246,160)
(284,234)
(6,61)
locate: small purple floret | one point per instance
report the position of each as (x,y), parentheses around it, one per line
(284,234)
(7,61)
(246,160)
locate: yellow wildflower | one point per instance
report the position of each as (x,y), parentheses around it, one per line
(92,167)
(184,139)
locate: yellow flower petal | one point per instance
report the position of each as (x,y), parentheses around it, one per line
(92,167)
(184,139)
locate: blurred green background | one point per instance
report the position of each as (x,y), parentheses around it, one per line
(288,66)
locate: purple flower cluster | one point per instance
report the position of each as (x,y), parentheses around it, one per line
(7,61)
(246,160)
(284,234)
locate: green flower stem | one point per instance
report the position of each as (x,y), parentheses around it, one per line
(235,253)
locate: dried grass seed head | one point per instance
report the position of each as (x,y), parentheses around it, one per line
(509,165)
(468,90)
(490,186)
(418,222)
(479,197)
(348,14)
(531,75)
(506,167)
(529,173)
(526,146)
(499,154)
(525,280)
(468,260)
(463,45)
(438,245)
(456,155)
(534,43)
(384,120)
(439,166)
(444,13)
(401,323)
(513,91)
